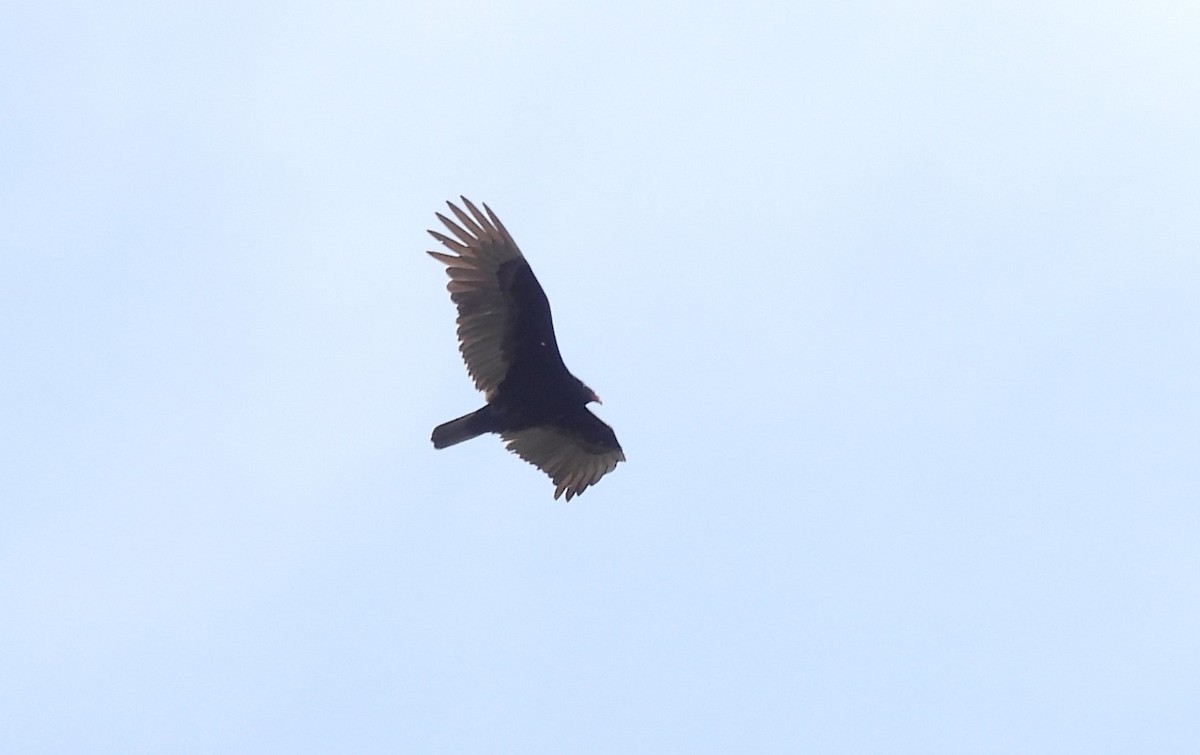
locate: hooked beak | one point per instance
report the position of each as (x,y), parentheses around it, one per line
(596,398)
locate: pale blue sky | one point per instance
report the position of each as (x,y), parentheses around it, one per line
(894,307)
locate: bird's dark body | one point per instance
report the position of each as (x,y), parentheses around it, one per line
(538,388)
(506,333)
(506,414)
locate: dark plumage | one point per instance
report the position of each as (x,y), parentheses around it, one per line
(506,336)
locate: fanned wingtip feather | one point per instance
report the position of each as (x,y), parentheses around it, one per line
(462,235)
(499,226)
(479,216)
(467,220)
(450,243)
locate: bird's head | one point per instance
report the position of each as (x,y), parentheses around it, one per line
(587,395)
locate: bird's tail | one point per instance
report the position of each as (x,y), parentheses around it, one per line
(464,428)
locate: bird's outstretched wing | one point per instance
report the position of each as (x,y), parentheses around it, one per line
(503,314)
(575,451)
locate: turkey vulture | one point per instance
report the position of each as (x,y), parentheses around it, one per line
(507,339)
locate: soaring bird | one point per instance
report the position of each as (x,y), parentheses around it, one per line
(506,336)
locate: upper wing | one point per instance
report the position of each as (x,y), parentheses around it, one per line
(503,314)
(575,451)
